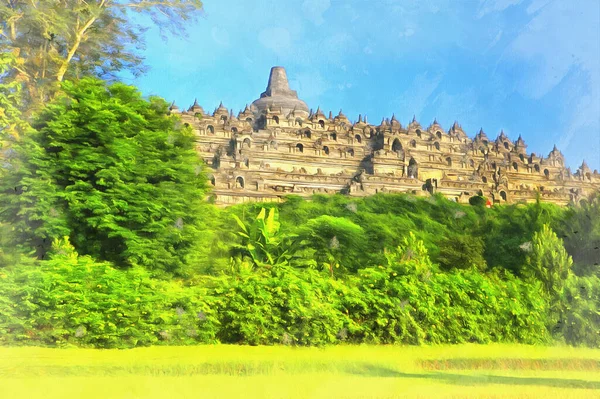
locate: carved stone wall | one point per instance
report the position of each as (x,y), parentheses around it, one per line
(276,148)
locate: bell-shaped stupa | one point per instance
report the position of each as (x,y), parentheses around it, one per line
(278,95)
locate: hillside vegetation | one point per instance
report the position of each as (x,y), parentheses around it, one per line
(107,243)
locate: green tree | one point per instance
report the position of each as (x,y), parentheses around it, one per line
(112,171)
(461,251)
(11,125)
(581,232)
(58,39)
(548,261)
(410,258)
(264,244)
(334,242)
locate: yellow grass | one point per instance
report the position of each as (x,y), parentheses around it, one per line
(223,371)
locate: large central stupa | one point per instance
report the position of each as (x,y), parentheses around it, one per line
(278,96)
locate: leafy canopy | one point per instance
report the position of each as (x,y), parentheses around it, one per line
(112,171)
(63,39)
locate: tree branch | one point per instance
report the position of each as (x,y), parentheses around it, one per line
(78,36)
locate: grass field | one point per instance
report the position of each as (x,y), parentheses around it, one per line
(223,371)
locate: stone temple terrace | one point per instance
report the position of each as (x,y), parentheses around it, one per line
(277,146)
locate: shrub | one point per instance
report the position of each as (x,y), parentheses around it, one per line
(283,305)
(579,321)
(73,300)
(477,200)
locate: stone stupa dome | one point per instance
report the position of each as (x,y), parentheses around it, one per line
(279,95)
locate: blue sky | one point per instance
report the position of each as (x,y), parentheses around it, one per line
(530,67)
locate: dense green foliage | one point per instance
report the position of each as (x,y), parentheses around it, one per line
(71,299)
(277,285)
(117,176)
(581,234)
(579,320)
(113,172)
(548,261)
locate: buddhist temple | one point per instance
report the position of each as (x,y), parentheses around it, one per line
(278,146)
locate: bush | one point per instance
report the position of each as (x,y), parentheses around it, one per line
(284,305)
(477,200)
(579,322)
(73,300)
(400,303)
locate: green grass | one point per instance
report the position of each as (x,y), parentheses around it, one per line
(224,371)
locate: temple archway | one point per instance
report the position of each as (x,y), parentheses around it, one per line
(396,145)
(239,182)
(413,169)
(299,147)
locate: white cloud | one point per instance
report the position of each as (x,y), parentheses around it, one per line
(367,50)
(560,43)
(314,10)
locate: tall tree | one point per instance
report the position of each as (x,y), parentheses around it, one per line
(58,39)
(581,232)
(548,261)
(112,171)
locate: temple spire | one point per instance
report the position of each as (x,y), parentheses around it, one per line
(278,84)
